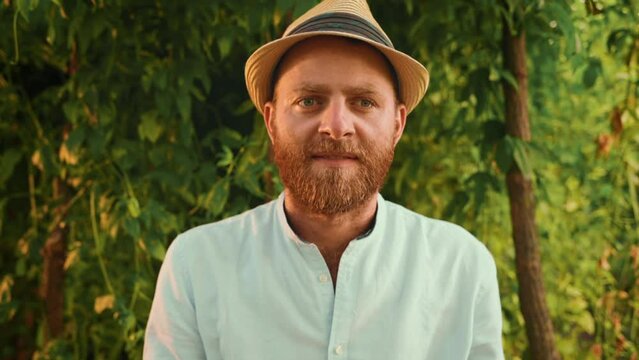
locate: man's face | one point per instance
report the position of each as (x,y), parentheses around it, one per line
(334,123)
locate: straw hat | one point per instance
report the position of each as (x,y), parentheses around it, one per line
(347,18)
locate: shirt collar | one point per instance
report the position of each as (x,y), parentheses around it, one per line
(371,233)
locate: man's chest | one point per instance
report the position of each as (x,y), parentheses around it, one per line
(285,310)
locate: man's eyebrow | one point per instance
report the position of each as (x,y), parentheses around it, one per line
(311,88)
(365,89)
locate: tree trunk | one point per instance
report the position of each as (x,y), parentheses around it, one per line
(54,254)
(532,296)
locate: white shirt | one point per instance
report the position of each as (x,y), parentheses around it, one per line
(248,288)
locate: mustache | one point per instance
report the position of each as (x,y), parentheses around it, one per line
(336,147)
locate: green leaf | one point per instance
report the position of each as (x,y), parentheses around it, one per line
(480,183)
(244,107)
(586,322)
(250,182)
(161,79)
(126,319)
(49,160)
(72,110)
(156,249)
(400,176)
(51,33)
(226,158)
(218,196)
(619,40)
(457,205)
(169,223)
(560,12)
(149,128)
(224,45)
(186,195)
(97,140)
(230,138)
(477,81)
(133,206)
(8,161)
(184,105)
(76,138)
(198,94)
(26,6)
(132,227)
(409,7)
(21,267)
(507,76)
(592,72)
(520,155)
(163,102)
(504,154)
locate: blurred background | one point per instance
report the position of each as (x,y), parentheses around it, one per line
(124,123)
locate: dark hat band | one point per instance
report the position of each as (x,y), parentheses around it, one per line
(342,22)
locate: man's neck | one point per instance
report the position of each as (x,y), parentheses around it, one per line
(330,232)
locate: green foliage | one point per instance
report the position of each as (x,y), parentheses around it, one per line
(140,109)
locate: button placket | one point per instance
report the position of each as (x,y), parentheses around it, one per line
(323,278)
(320,277)
(342,307)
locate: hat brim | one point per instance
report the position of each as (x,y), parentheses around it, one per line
(412,76)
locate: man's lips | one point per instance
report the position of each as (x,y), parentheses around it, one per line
(334,156)
(335,159)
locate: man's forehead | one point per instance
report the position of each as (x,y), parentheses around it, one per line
(327,45)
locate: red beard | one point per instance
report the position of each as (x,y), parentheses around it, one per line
(332,190)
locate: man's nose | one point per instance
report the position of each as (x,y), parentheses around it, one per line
(337,121)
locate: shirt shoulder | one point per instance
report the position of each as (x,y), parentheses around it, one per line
(442,237)
(228,234)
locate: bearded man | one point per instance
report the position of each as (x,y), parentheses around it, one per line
(329,269)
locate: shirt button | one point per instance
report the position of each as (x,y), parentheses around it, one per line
(339,350)
(323,278)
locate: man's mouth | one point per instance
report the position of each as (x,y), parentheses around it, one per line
(334,159)
(334,156)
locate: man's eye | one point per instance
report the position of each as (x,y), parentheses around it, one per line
(307,102)
(366,103)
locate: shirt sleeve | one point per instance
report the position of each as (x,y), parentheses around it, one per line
(171,332)
(487,321)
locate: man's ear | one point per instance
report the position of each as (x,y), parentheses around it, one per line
(400,123)
(269,115)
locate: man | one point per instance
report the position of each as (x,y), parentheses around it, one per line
(329,269)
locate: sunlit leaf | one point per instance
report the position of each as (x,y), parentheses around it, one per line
(103,302)
(149,127)
(134,207)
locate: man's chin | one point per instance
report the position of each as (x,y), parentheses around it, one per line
(332,205)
